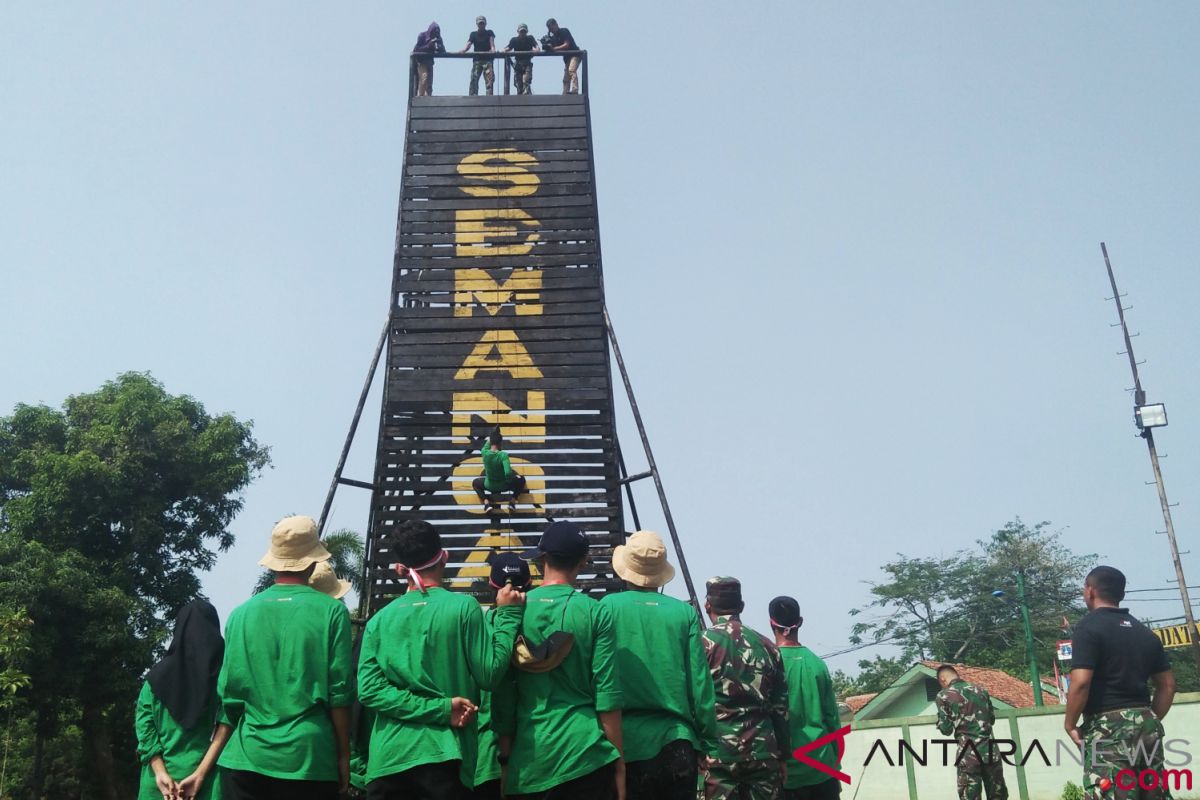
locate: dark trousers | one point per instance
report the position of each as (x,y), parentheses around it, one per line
(516,485)
(486,791)
(826,790)
(598,785)
(425,782)
(237,784)
(670,775)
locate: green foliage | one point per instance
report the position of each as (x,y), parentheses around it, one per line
(1072,791)
(109,508)
(942,609)
(1183,665)
(873,676)
(347,550)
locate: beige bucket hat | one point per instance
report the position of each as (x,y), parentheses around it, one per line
(642,561)
(324,579)
(294,545)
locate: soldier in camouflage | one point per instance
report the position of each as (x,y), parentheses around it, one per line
(1114,659)
(965,711)
(752,703)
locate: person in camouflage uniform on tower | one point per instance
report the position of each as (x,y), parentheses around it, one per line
(751,699)
(965,711)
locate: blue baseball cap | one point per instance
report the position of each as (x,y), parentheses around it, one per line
(563,539)
(509,568)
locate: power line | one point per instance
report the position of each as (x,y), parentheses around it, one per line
(1163,589)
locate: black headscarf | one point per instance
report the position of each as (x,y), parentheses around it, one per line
(185,681)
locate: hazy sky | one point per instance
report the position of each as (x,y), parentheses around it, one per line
(851,250)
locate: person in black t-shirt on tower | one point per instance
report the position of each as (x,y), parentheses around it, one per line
(522,65)
(484,41)
(561,39)
(1113,657)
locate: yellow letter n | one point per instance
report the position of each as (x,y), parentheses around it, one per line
(529,427)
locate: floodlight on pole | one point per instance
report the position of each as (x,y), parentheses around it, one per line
(1150,416)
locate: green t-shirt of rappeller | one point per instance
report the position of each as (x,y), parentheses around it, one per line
(287,663)
(435,645)
(812,713)
(553,716)
(668,691)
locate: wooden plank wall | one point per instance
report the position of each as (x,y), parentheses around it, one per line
(497,318)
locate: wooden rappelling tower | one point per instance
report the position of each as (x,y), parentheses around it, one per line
(497,318)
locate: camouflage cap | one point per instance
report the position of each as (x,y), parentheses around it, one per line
(724,590)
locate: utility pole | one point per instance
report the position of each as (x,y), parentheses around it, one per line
(1033,667)
(1147,433)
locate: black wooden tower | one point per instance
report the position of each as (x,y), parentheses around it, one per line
(497,318)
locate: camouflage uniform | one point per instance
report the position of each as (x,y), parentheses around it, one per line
(751,699)
(965,710)
(1123,739)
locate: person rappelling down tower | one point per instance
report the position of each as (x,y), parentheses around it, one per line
(498,476)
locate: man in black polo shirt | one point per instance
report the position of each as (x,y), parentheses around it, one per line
(523,65)
(484,41)
(1113,657)
(559,38)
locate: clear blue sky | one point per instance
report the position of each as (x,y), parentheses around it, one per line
(852,253)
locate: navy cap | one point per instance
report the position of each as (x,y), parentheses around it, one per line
(509,568)
(785,612)
(563,538)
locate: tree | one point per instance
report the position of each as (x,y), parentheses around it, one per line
(109,509)
(347,550)
(942,609)
(14,652)
(873,676)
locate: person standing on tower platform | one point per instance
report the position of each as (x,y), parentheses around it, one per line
(523,65)
(667,720)
(1113,658)
(751,701)
(429,43)
(965,711)
(812,706)
(484,41)
(498,475)
(559,38)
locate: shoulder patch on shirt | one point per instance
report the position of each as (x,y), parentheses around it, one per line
(1126,623)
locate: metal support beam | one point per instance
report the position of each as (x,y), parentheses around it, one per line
(341,465)
(662,494)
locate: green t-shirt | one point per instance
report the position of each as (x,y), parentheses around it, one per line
(487,768)
(812,713)
(287,663)
(552,716)
(668,692)
(496,469)
(182,750)
(418,641)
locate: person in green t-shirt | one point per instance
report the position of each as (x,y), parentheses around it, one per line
(668,716)
(507,569)
(498,475)
(559,722)
(751,699)
(177,710)
(812,706)
(285,685)
(424,647)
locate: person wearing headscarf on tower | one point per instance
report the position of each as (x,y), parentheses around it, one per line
(429,43)
(177,709)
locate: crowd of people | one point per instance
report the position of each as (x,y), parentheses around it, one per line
(549,693)
(483,40)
